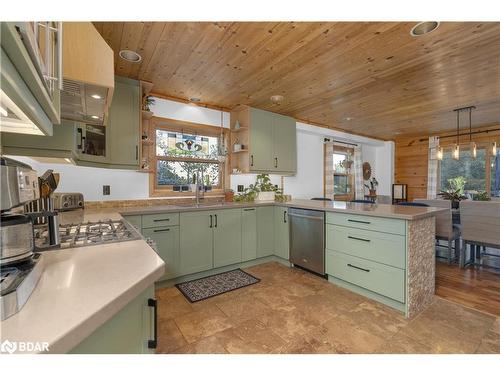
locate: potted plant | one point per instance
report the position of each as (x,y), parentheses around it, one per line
(262,190)
(372,186)
(455,191)
(148,102)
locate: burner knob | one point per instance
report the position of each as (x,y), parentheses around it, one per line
(65,204)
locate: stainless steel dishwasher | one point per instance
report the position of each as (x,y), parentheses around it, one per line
(307,239)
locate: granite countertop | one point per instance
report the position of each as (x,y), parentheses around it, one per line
(81,288)
(378,210)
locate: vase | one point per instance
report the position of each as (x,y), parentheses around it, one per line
(265,196)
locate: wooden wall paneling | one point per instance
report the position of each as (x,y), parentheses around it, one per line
(389,83)
(411,155)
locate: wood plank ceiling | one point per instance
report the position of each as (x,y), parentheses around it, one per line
(366,78)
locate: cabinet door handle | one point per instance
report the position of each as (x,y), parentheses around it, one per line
(359,239)
(284,216)
(215,221)
(162,230)
(358,221)
(136,152)
(152,344)
(249,209)
(79,145)
(251,160)
(275,162)
(358,268)
(157,220)
(211,222)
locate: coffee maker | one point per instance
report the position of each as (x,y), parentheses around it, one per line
(20,266)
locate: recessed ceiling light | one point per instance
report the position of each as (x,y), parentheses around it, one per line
(195,100)
(348,118)
(95,96)
(130,56)
(277,99)
(423,28)
(95,117)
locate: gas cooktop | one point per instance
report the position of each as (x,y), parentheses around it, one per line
(89,233)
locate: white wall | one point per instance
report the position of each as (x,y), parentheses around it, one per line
(307,183)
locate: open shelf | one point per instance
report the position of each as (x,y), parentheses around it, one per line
(146,114)
(239,130)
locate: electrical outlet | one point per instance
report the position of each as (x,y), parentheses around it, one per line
(241,188)
(106,190)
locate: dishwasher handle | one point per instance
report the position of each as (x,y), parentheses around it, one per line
(306,216)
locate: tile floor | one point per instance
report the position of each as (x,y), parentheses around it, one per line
(292,311)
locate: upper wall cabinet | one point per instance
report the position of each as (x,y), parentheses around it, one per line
(88,74)
(265,142)
(31,76)
(112,146)
(124,121)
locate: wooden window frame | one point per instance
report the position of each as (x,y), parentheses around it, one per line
(487,171)
(350,176)
(167,124)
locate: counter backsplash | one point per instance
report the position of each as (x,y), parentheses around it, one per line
(148,202)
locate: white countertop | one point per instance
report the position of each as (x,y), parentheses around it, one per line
(81,288)
(377,210)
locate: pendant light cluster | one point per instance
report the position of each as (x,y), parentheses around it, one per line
(472,145)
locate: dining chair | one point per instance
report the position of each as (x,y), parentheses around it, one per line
(480,227)
(362,201)
(445,229)
(415,204)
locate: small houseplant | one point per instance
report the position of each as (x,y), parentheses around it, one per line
(455,191)
(262,190)
(148,102)
(372,186)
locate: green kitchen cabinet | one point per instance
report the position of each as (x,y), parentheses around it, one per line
(272,141)
(265,231)
(122,138)
(167,247)
(281,232)
(284,144)
(127,332)
(248,234)
(227,237)
(196,241)
(62,144)
(261,140)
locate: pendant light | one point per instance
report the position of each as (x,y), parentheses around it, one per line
(456,149)
(439,154)
(473,146)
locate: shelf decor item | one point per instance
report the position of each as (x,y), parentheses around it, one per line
(262,190)
(372,186)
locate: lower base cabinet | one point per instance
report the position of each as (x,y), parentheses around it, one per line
(196,242)
(265,231)
(227,237)
(128,332)
(281,233)
(168,248)
(248,234)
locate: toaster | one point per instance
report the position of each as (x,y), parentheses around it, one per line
(67,201)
